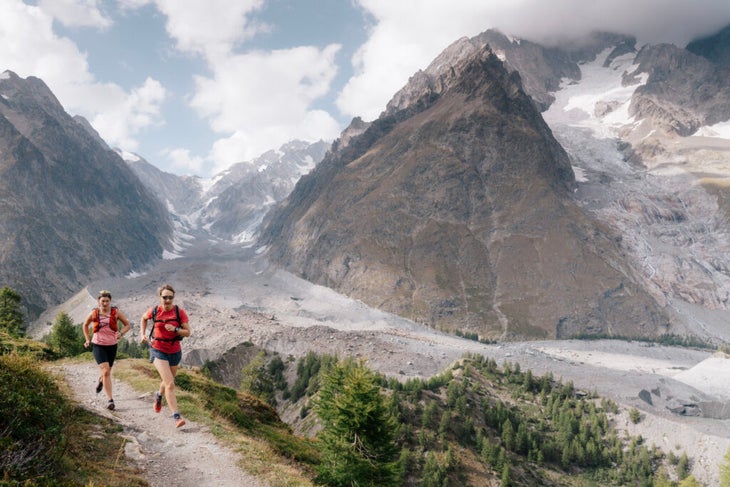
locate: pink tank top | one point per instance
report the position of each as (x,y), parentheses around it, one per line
(104,335)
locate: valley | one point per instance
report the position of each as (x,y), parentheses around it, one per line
(233,296)
(635,245)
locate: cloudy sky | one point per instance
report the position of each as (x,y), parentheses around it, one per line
(194,86)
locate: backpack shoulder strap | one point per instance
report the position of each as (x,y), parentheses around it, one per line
(154,317)
(95,320)
(113,318)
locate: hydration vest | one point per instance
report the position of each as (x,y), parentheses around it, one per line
(112,319)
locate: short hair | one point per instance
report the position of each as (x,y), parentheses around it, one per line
(163,287)
(104,294)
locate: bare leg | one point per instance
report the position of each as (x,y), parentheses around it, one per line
(106,378)
(167,387)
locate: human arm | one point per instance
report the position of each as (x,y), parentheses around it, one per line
(85,328)
(143,327)
(127,325)
(183,330)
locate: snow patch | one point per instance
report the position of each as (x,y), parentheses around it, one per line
(207,183)
(719,130)
(128,156)
(599,101)
(580,175)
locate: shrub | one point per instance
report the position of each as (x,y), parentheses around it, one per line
(32,412)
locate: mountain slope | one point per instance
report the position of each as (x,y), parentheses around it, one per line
(71,210)
(456,211)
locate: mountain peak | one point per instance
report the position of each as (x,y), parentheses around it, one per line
(454,209)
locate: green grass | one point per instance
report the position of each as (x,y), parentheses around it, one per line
(48,440)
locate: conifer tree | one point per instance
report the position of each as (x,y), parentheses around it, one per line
(256,379)
(11,316)
(358,447)
(65,338)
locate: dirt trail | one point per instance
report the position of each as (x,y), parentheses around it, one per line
(185,457)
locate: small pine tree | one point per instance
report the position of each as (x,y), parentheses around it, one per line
(11,316)
(65,338)
(132,348)
(506,482)
(634,415)
(256,379)
(683,467)
(358,446)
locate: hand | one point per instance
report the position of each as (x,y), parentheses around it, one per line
(86,344)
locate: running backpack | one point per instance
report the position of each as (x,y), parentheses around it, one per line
(155,320)
(112,319)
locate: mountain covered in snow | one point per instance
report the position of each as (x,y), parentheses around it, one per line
(231,205)
(645,131)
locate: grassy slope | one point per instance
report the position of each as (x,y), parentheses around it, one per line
(460,437)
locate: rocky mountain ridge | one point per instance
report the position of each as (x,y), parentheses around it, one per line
(71,209)
(231,205)
(455,211)
(660,99)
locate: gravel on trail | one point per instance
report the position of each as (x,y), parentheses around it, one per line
(185,457)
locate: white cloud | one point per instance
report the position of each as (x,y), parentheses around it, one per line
(183,162)
(261,100)
(212,28)
(255,100)
(406,37)
(76,13)
(29,47)
(120,116)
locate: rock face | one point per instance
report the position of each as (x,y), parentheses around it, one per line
(71,209)
(683,91)
(454,209)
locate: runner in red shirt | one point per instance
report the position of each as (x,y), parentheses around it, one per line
(170,325)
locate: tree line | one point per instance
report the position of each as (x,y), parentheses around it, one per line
(66,338)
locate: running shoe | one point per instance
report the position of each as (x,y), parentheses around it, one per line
(179,422)
(110,405)
(158,402)
(99,386)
